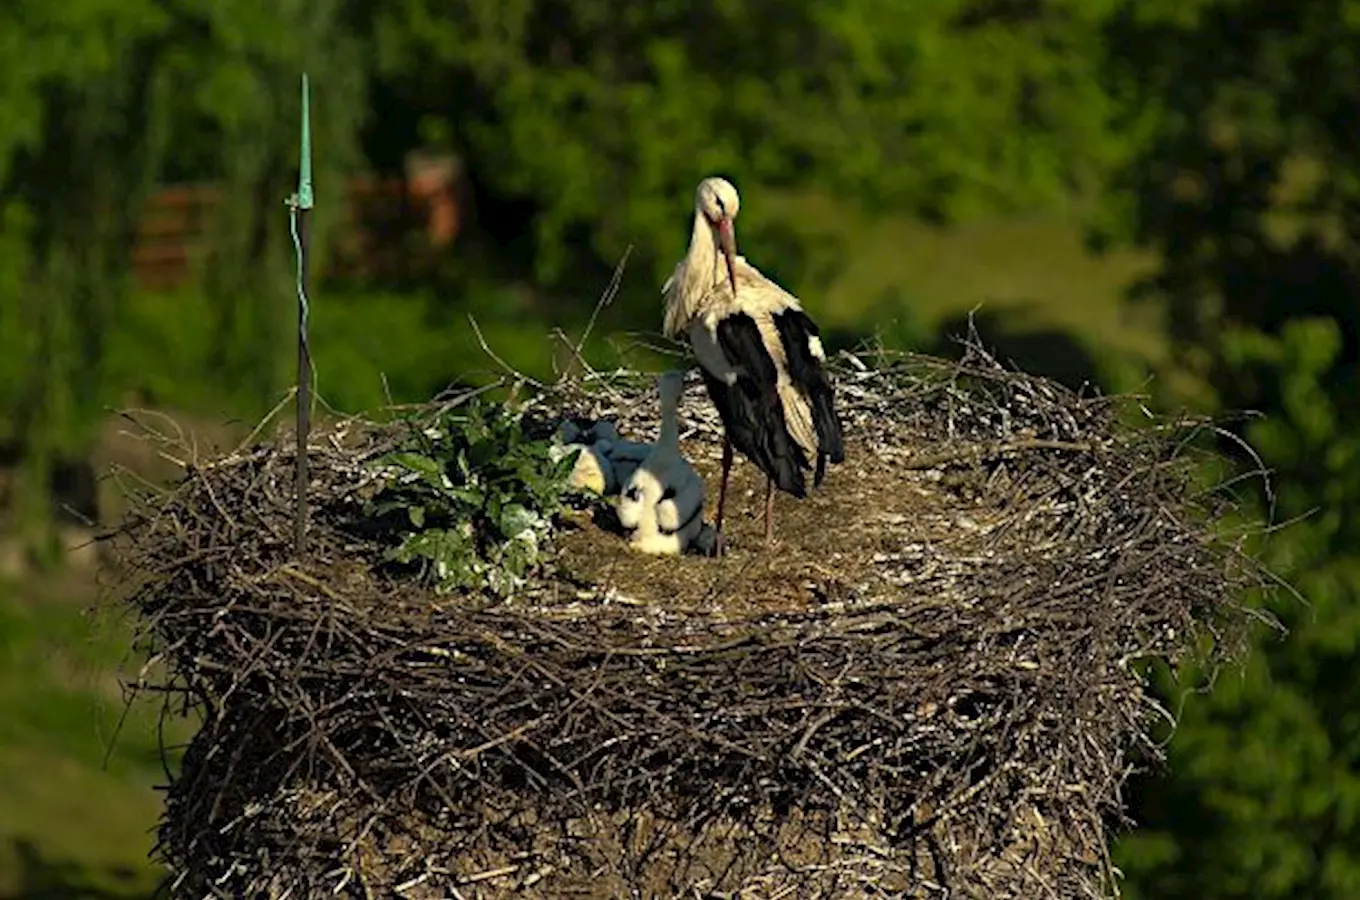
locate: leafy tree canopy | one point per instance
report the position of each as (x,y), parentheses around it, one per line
(606,116)
(1247,186)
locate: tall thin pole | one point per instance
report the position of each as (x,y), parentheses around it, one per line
(300,205)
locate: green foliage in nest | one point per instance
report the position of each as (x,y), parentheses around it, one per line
(469,497)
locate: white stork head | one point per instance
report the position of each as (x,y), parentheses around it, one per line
(717,200)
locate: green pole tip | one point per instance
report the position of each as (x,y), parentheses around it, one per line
(305,169)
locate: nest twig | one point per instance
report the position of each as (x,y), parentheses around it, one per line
(935,682)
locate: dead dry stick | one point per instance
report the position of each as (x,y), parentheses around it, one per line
(610,292)
(488,875)
(495,357)
(264,423)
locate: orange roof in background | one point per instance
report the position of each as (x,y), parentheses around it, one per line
(371,240)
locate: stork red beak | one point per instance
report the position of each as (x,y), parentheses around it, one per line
(728,242)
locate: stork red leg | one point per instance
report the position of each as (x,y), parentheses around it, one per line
(722,491)
(769,508)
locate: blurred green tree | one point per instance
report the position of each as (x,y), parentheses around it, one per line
(100,102)
(602,118)
(1248,184)
(73,103)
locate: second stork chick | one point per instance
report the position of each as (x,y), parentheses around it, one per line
(662,503)
(605,459)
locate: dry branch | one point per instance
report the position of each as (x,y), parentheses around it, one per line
(932,684)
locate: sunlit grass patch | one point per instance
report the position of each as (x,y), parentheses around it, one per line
(77,797)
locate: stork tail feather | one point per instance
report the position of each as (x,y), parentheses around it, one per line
(803,349)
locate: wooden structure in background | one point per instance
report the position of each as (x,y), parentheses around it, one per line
(392,227)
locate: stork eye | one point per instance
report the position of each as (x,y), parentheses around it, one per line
(633,493)
(722,207)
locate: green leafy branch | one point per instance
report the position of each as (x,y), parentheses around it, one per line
(470,498)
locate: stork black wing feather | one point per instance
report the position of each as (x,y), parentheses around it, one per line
(751,411)
(796,332)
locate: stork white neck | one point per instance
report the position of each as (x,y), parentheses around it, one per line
(701,269)
(669,435)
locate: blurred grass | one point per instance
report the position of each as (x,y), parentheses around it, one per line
(72,823)
(1025,275)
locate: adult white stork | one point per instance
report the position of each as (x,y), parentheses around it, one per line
(760,354)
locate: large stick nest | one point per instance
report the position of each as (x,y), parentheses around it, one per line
(934,681)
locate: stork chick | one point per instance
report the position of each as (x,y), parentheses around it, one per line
(662,503)
(760,354)
(626,456)
(605,459)
(593,471)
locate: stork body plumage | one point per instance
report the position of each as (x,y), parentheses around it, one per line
(760,354)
